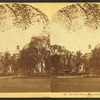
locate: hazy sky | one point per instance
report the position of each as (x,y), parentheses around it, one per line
(79,39)
(73,33)
(11,36)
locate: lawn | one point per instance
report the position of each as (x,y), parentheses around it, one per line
(88,84)
(25,85)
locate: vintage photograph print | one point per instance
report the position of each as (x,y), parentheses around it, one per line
(49,47)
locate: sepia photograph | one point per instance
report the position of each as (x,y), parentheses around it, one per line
(49,47)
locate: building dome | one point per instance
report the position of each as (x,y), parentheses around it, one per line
(89,49)
(17,51)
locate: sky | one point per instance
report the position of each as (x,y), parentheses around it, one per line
(79,39)
(76,40)
(11,36)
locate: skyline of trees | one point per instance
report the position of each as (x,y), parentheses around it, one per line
(40,57)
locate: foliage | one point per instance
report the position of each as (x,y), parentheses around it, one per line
(37,52)
(95,61)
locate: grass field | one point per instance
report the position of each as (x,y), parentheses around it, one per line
(89,84)
(25,85)
(76,85)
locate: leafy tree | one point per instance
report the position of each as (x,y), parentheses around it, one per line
(60,59)
(14,63)
(95,61)
(6,61)
(78,60)
(35,54)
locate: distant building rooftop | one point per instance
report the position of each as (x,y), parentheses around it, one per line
(17,50)
(89,49)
